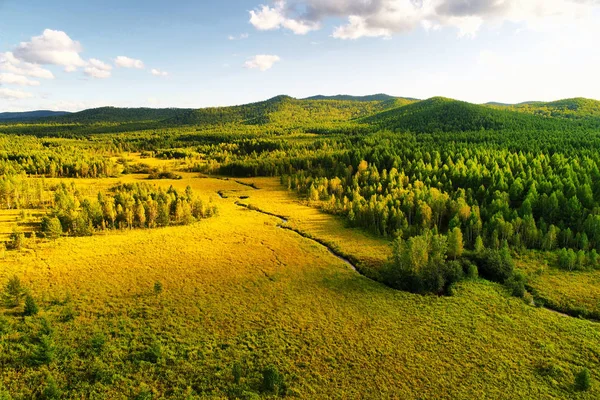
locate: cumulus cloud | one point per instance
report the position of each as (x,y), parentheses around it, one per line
(158,72)
(384,18)
(97,69)
(262,62)
(126,62)
(9,63)
(268,18)
(14,94)
(14,79)
(51,48)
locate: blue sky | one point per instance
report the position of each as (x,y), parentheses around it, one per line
(74,54)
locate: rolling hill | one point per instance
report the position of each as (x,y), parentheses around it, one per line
(286,111)
(30,115)
(575,108)
(447,115)
(373,97)
(119,115)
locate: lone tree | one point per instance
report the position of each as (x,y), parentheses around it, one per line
(52,227)
(31,308)
(13,292)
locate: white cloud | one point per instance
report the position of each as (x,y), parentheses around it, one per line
(97,69)
(53,48)
(14,94)
(269,18)
(158,72)
(14,79)
(262,62)
(384,18)
(240,37)
(126,62)
(8,62)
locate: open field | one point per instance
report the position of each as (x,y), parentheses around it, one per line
(239,290)
(577,292)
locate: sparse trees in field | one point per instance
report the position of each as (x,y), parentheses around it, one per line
(127,206)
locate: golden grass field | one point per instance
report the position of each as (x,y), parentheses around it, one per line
(239,289)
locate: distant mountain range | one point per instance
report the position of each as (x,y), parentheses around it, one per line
(29,115)
(320,113)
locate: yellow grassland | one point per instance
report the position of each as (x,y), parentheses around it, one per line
(239,289)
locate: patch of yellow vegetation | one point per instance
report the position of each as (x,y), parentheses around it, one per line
(239,289)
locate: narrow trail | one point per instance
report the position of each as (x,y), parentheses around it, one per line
(281,225)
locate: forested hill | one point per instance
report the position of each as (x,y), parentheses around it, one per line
(577,108)
(323,114)
(114,114)
(29,115)
(447,115)
(287,111)
(373,97)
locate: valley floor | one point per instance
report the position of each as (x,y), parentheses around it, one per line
(237,289)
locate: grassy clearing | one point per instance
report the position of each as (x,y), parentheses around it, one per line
(576,293)
(238,289)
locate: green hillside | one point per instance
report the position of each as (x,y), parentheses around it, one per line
(575,108)
(447,115)
(115,114)
(286,111)
(373,97)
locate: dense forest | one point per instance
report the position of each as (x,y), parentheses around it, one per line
(518,176)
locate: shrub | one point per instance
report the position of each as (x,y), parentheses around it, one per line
(43,353)
(469,269)
(4,395)
(236,371)
(13,292)
(31,308)
(67,313)
(583,380)
(51,227)
(516,284)
(51,391)
(158,288)
(16,240)
(495,265)
(272,380)
(97,342)
(153,353)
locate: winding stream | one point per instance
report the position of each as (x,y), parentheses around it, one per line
(281,225)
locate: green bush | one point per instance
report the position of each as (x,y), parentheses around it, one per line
(495,265)
(516,284)
(13,292)
(51,390)
(31,308)
(272,380)
(51,227)
(583,380)
(16,240)
(236,371)
(43,353)
(97,342)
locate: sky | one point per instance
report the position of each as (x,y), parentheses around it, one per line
(72,55)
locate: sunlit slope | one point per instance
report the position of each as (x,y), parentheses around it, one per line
(239,289)
(447,115)
(576,108)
